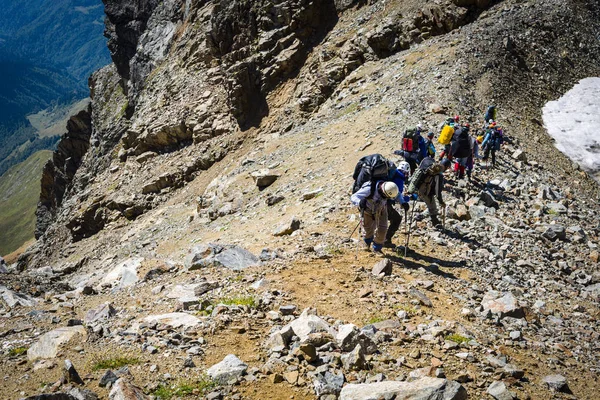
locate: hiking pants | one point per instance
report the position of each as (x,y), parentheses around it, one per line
(376,225)
(431,206)
(489,148)
(395,219)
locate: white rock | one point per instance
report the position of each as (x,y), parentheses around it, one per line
(124,274)
(227,371)
(49,344)
(174,320)
(423,389)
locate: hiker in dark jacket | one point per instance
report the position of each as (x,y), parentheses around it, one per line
(492,141)
(413,158)
(431,188)
(373,208)
(461,150)
(398,176)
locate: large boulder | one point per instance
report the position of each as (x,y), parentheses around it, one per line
(227,371)
(173,320)
(422,389)
(264,178)
(215,255)
(50,343)
(308,323)
(503,303)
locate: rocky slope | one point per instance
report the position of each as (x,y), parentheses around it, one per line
(205,198)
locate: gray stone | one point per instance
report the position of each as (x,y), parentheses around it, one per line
(519,155)
(124,274)
(287,310)
(227,371)
(554,232)
(71,374)
(382,267)
(499,391)
(12,299)
(109,377)
(488,200)
(264,178)
(123,390)
(307,323)
(50,343)
(423,299)
(556,382)
(100,314)
(174,320)
(502,303)
(556,208)
(236,258)
(281,338)
(312,194)
(288,228)
(422,389)
(355,360)
(328,384)
(214,255)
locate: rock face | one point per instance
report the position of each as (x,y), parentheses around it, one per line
(424,388)
(50,343)
(59,171)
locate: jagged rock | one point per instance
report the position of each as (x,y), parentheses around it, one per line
(503,303)
(328,384)
(232,257)
(423,389)
(355,360)
(349,336)
(382,267)
(281,338)
(124,274)
(174,320)
(499,391)
(307,323)
(519,155)
(423,299)
(124,390)
(264,178)
(100,314)
(12,299)
(288,228)
(108,378)
(71,374)
(50,343)
(227,371)
(555,232)
(556,382)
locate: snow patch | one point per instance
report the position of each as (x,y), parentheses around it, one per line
(574,123)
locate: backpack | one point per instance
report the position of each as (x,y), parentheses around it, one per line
(426,170)
(370,168)
(461,144)
(490,114)
(446,135)
(410,140)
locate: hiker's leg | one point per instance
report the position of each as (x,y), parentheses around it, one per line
(395,220)
(369,227)
(431,206)
(494,156)
(382,226)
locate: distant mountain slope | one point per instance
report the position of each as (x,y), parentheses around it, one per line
(19,192)
(48,48)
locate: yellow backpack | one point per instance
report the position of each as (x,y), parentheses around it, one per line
(446,135)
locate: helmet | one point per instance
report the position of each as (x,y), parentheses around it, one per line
(419,127)
(430,135)
(490,121)
(479,139)
(467,125)
(456,118)
(445,163)
(389,190)
(405,168)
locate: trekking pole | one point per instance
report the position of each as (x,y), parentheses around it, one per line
(444,218)
(354,230)
(359,226)
(412,213)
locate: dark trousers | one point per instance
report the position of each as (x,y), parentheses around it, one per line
(487,153)
(395,220)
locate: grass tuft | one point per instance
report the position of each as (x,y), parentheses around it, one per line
(457,338)
(114,363)
(17,351)
(184,388)
(248,301)
(375,319)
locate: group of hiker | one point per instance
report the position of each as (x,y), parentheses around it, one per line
(379,184)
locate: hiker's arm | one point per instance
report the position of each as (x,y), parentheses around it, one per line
(362,193)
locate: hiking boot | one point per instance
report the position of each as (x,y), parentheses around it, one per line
(378,252)
(388,244)
(435,221)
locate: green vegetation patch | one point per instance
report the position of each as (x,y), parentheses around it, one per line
(17,351)
(375,319)
(248,301)
(184,388)
(457,338)
(114,363)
